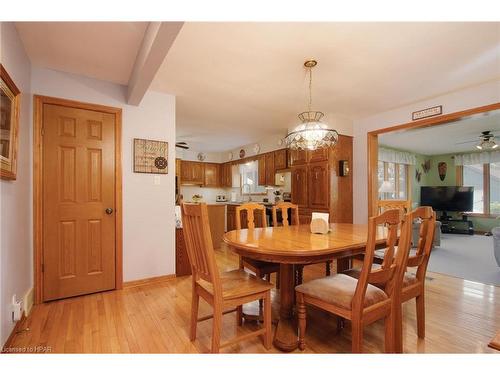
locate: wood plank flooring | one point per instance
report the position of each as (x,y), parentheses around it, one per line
(462,317)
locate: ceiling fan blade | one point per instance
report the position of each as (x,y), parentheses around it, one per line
(180,143)
(182,146)
(463,143)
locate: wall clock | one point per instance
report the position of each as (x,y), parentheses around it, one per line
(201,156)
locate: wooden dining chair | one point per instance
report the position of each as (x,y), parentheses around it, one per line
(394,204)
(390,204)
(294,220)
(414,284)
(358,300)
(260,268)
(229,290)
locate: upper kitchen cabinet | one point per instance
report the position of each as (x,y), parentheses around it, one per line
(212,178)
(280,159)
(321,154)
(226,175)
(270,169)
(298,157)
(192,173)
(262,170)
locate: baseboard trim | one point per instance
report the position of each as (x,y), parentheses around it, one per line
(14,332)
(149,280)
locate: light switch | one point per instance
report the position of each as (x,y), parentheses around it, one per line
(156,180)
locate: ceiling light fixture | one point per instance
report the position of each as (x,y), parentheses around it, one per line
(487,141)
(311,133)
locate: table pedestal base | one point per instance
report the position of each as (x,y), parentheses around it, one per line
(285,337)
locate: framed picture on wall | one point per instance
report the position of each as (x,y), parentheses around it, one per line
(150,156)
(9,125)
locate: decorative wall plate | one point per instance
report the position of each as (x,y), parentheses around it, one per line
(230,156)
(242,153)
(256,148)
(201,156)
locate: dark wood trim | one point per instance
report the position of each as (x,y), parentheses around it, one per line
(17,328)
(38,102)
(372,143)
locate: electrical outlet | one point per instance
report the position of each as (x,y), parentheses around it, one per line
(17,308)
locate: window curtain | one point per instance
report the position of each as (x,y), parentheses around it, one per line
(477,158)
(394,156)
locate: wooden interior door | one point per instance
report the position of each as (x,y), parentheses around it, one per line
(78,183)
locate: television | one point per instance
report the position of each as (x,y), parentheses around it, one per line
(448,198)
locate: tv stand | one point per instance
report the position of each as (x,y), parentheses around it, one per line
(456,226)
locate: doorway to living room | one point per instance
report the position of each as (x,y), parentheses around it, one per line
(451,163)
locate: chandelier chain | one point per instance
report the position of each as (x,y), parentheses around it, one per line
(310,89)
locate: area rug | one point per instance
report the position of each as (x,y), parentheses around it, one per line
(467,257)
(495,343)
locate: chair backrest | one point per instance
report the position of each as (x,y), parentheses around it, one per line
(250,208)
(420,259)
(199,246)
(394,204)
(284,206)
(391,221)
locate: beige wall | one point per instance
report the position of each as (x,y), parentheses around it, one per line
(15,196)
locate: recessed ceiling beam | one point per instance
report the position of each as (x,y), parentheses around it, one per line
(157,41)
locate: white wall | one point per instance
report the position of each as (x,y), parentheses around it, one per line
(476,96)
(148,210)
(15,196)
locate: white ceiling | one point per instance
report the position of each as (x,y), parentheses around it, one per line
(102,50)
(237,82)
(447,138)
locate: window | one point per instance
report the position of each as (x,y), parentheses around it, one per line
(249,174)
(485,178)
(495,188)
(397,175)
(473,176)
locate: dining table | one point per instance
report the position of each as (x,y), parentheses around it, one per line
(294,245)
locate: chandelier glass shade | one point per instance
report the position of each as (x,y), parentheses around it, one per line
(311,133)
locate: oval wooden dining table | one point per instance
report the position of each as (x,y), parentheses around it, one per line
(296,244)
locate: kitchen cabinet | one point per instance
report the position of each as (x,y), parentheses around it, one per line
(280,159)
(298,157)
(270,171)
(226,175)
(211,175)
(319,187)
(231,217)
(192,173)
(320,154)
(262,170)
(299,185)
(178,167)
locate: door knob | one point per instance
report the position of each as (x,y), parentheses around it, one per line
(109,211)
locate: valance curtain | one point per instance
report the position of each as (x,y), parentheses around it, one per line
(477,158)
(394,156)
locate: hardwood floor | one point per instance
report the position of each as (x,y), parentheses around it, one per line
(462,317)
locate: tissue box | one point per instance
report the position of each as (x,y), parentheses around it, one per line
(320,223)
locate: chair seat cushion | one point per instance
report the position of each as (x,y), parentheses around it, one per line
(355,272)
(339,290)
(261,266)
(238,283)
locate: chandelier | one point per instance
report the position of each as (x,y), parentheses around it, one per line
(311,133)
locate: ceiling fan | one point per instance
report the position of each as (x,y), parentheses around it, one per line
(486,141)
(182,145)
